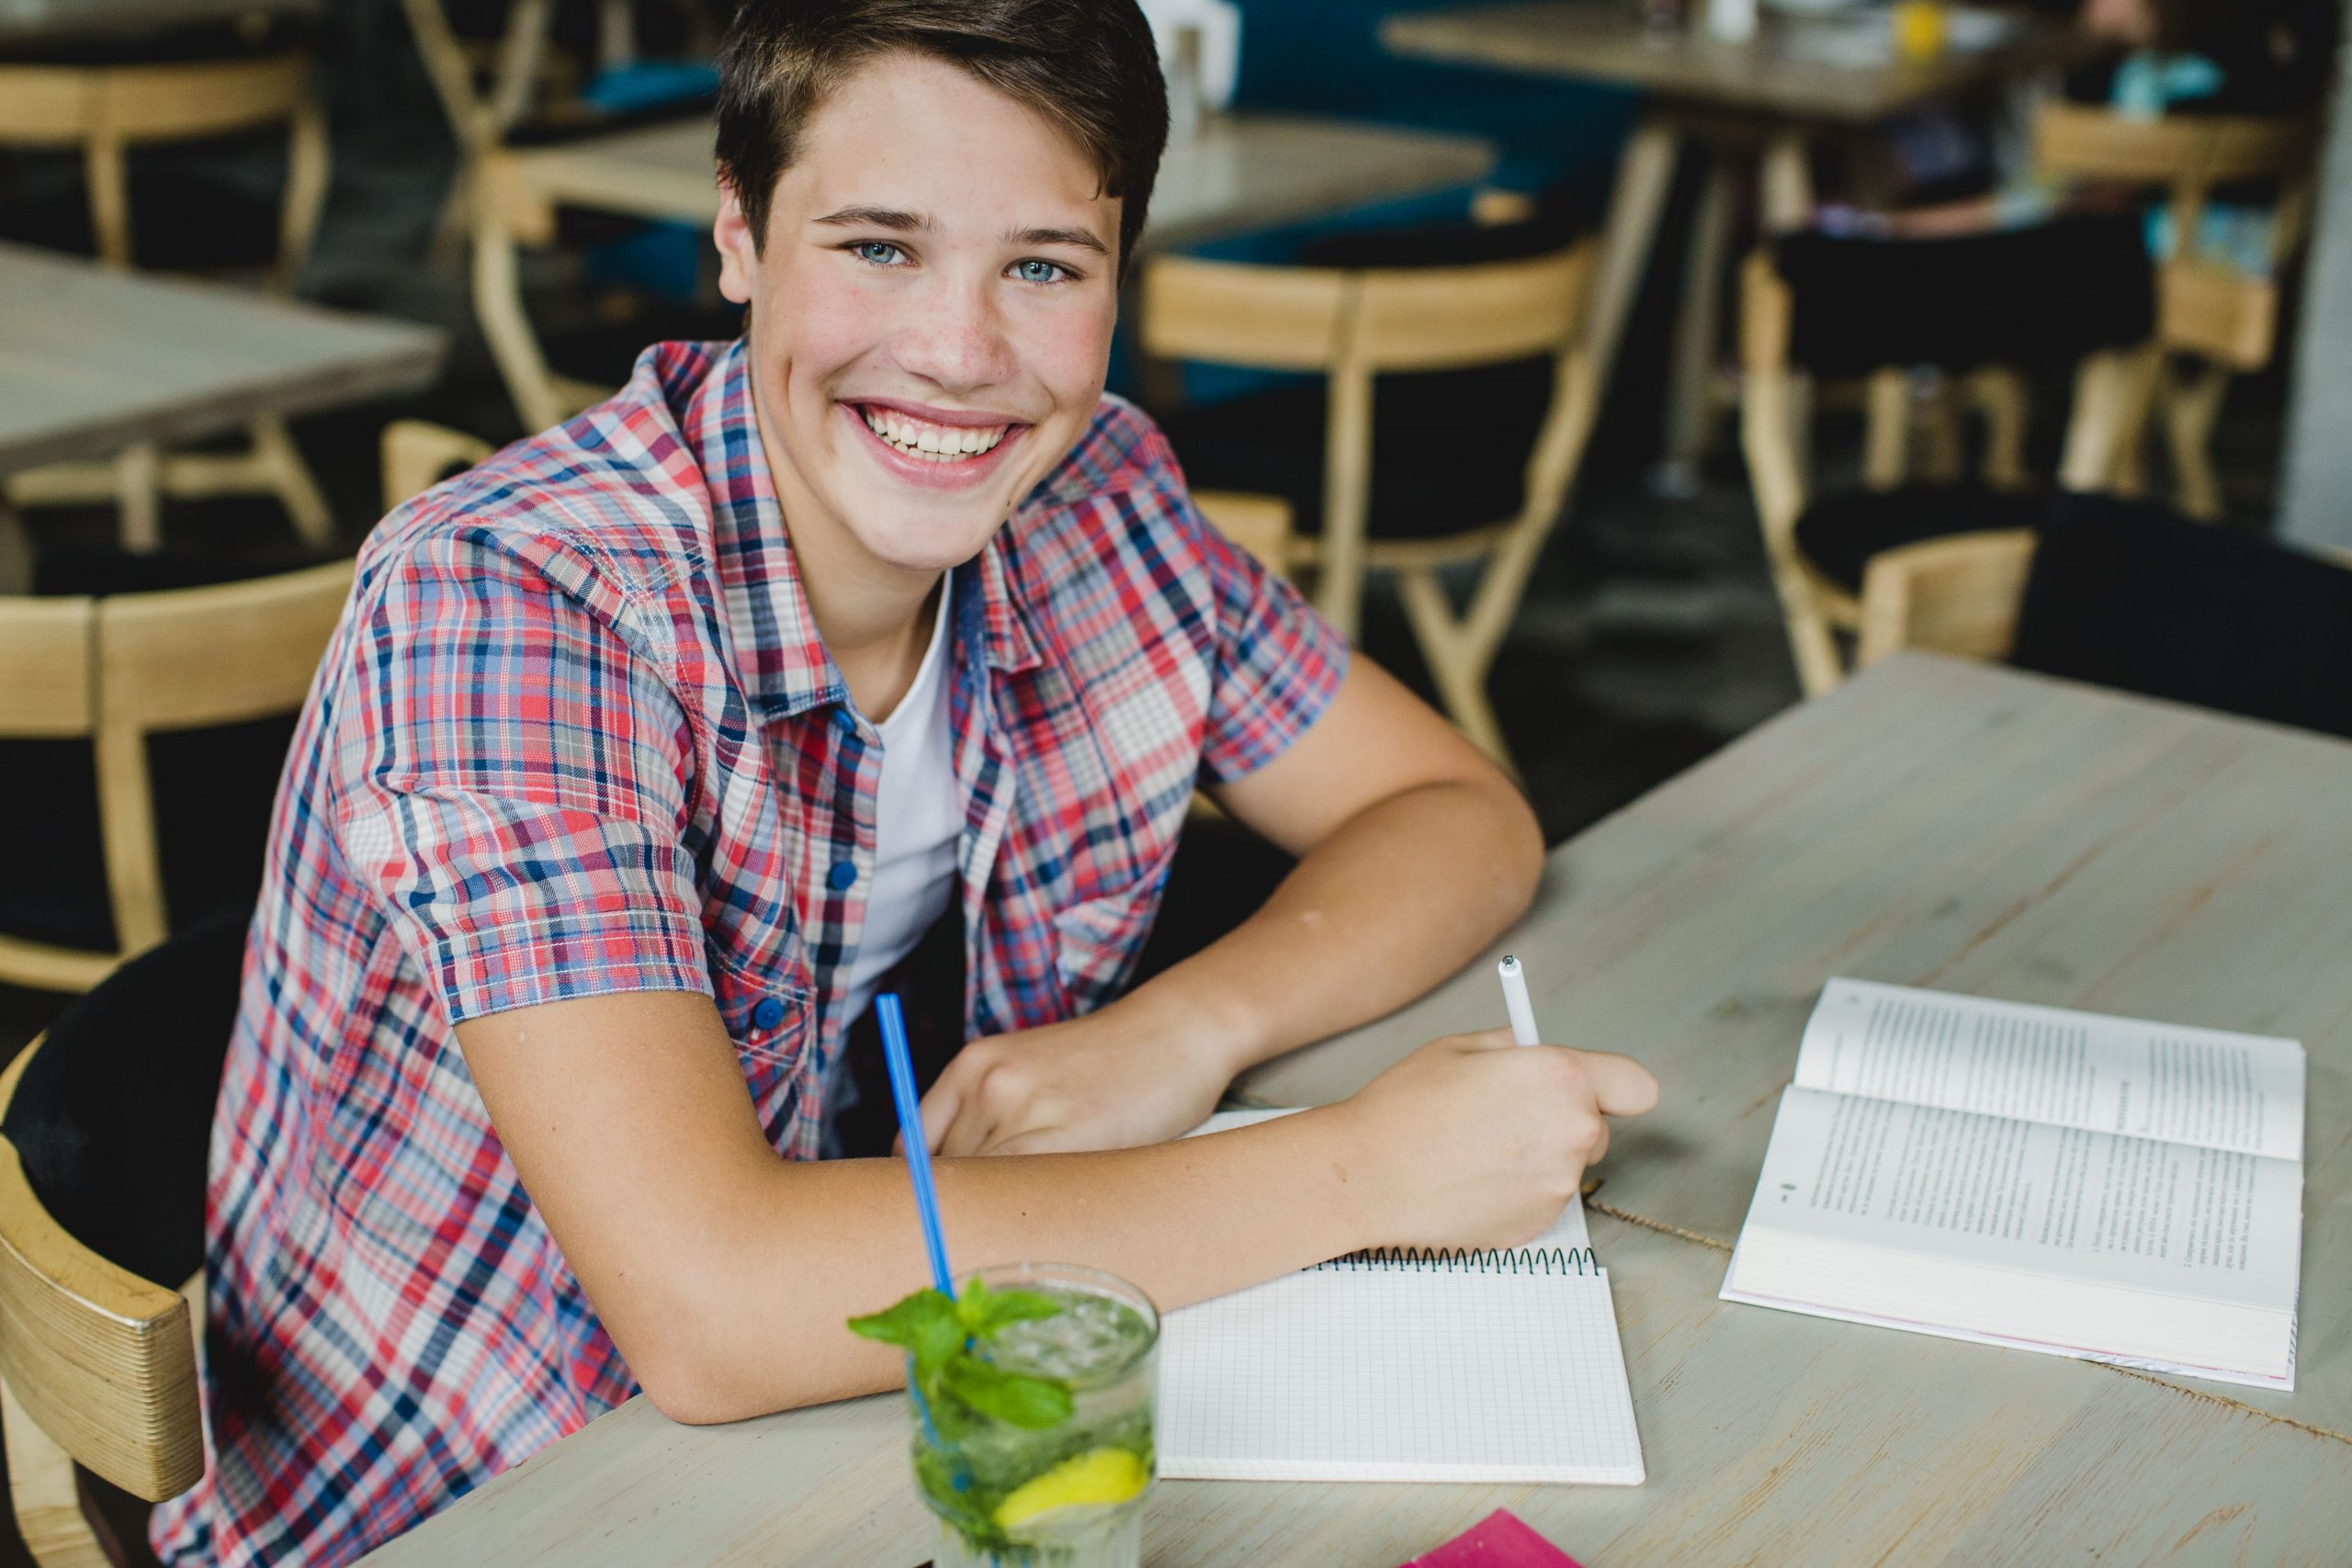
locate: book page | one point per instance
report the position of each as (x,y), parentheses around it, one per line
(2205,1087)
(2190,1221)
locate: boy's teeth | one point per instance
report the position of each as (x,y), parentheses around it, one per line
(919,437)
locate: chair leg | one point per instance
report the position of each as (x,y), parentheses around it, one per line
(1455,667)
(2192,405)
(109,187)
(139,492)
(1887,443)
(1940,435)
(2001,393)
(498,303)
(2110,400)
(289,477)
(1811,641)
(46,1494)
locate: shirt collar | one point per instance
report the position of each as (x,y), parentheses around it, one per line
(786,668)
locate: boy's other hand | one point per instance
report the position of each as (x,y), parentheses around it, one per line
(1095,1082)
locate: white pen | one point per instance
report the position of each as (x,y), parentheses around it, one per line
(1522,1014)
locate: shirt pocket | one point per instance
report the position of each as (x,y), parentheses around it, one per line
(771,1022)
(1098,939)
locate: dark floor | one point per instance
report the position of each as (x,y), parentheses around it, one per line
(1648,638)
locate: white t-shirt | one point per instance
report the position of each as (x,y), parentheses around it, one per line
(918,817)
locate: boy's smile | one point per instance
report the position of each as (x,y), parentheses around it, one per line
(931,318)
(934,447)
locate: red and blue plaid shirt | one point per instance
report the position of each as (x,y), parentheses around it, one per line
(577,735)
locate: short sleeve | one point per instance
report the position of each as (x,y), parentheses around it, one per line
(512,779)
(1278,666)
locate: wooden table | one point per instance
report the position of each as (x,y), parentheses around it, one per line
(1797,78)
(1242,171)
(1932,823)
(94,362)
(54,21)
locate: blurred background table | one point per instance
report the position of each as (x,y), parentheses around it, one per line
(1932,823)
(1242,172)
(1767,100)
(54,21)
(94,362)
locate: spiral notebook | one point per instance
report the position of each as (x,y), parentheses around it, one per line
(1489,1366)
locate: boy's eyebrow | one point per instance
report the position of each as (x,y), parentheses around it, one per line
(875,217)
(901,221)
(1082,238)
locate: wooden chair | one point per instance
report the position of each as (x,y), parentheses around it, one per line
(119,669)
(109,110)
(2130,595)
(98,1369)
(1819,601)
(419,454)
(1352,325)
(2222,321)
(1958,595)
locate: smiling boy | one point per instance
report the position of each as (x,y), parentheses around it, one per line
(649,747)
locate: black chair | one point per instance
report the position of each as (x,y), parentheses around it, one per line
(2132,595)
(108,1123)
(1983,310)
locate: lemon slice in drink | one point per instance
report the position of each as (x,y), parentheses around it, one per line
(1104,1477)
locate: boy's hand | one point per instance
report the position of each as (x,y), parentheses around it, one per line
(1095,1082)
(1472,1141)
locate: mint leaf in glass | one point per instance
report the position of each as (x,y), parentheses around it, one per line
(955,1383)
(1015,1398)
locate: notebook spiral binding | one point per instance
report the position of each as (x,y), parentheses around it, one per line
(1462,1260)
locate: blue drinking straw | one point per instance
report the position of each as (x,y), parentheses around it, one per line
(909,1106)
(902,1093)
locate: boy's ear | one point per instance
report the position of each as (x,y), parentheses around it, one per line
(738,255)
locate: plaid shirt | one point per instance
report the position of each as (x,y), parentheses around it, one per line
(577,735)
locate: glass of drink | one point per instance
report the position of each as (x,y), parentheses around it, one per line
(1067,1495)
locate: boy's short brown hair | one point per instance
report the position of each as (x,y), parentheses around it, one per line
(1088,65)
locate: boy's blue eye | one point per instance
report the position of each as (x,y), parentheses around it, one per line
(881,252)
(1035,271)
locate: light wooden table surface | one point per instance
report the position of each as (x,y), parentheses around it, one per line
(92,360)
(1242,171)
(1817,69)
(1932,823)
(1797,79)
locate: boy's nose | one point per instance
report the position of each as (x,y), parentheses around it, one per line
(957,341)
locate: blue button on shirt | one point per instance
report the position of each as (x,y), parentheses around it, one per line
(768,1014)
(842,876)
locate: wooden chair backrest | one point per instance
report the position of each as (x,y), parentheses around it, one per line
(102,1361)
(418,454)
(2204,306)
(119,669)
(63,104)
(1957,595)
(1258,523)
(2093,143)
(1353,324)
(107,109)
(1367,320)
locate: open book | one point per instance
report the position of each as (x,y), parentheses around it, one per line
(2032,1177)
(1486,1366)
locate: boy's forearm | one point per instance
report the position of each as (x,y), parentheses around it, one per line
(808,1246)
(1395,900)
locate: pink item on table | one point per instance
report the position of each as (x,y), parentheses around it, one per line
(1501,1539)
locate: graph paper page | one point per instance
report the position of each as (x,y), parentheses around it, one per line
(1400,1374)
